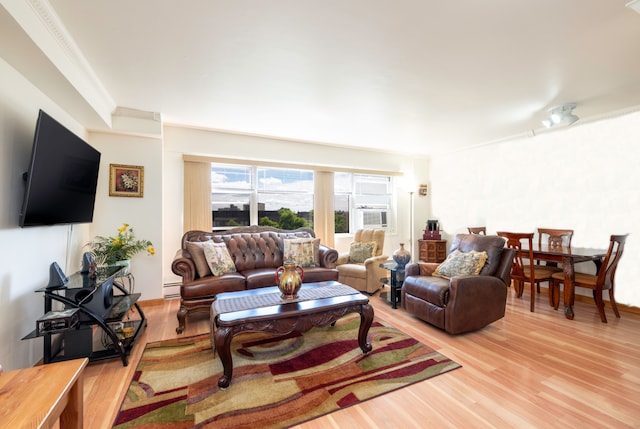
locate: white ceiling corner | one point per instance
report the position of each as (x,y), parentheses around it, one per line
(417,76)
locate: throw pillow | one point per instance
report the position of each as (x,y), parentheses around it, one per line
(360,251)
(196,250)
(461,264)
(219,259)
(303,251)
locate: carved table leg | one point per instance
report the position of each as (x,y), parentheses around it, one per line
(366,318)
(569,287)
(222,338)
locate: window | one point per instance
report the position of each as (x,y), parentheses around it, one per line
(250,195)
(231,191)
(362,201)
(244,195)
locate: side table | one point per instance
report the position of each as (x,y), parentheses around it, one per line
(395,281)
(432,250)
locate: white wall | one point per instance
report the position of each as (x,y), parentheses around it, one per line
(179,141)
(26,253)
(144,214)
(583,178)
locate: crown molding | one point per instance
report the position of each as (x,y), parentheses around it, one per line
(40,22)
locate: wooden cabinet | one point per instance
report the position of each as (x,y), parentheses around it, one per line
(432,250)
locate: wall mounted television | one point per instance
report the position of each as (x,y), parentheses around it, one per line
(61,179)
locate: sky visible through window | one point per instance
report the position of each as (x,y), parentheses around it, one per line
(277,187)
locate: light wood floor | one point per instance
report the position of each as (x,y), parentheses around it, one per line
(528,370)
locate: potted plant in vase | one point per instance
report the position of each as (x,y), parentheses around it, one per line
(118,250)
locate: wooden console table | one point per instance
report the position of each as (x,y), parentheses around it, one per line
(37,397)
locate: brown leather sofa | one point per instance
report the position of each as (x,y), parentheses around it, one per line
(463,303)
(257,253)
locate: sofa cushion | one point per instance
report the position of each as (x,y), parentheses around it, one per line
(218,259)
(461,264)
(210,286)
(360,251)
(303,251)
(312,275)
(196,250)
(492,244)
(260,277)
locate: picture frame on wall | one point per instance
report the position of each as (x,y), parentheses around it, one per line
(422,190)
(126,180)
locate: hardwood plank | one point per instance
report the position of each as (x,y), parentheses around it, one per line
(527,370)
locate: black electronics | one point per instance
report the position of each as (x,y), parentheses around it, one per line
(62,177)
(96,297)
(57,278)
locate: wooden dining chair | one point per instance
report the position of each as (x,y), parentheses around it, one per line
(477,230)
(553,238)
(603,280)
(522,273)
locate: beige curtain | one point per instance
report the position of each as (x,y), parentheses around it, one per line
(323,212)
(197,196)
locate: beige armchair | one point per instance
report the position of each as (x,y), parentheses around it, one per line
(360,267)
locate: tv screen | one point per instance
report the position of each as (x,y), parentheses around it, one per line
(62,177)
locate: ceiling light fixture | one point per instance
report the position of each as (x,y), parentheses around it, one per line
(634,4)
(561,115)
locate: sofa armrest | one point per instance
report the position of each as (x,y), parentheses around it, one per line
(474,302)
(184,266)
(328,256)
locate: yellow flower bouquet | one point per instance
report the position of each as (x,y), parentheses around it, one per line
(109,250)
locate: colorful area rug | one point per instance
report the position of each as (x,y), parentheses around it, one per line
(277,381)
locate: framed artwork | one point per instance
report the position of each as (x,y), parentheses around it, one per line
(126,180)
(422,190)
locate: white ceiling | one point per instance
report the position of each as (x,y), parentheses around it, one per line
(418,76)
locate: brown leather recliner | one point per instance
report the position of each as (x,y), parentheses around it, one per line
(462,303)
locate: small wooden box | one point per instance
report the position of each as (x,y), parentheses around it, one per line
(431,235)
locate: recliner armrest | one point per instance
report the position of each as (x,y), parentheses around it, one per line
(474,301)
(343,258)
(375,261)
(420,269)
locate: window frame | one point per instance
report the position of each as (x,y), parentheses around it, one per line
(254,190)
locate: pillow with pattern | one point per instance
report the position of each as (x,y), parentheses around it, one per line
(303,251)
(219,259)
(461,264)
(196,250)
(360,251)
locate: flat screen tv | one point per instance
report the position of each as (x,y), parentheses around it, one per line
(61,179)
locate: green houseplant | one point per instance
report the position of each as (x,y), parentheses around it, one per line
(122,247)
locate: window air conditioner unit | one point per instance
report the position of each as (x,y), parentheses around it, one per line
(373,218)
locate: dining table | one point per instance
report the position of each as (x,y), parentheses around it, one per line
(568,257)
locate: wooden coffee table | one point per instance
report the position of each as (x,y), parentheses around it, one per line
(262,310)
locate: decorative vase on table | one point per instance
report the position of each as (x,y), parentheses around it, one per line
(125,264)
(401,256)
(289,279)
